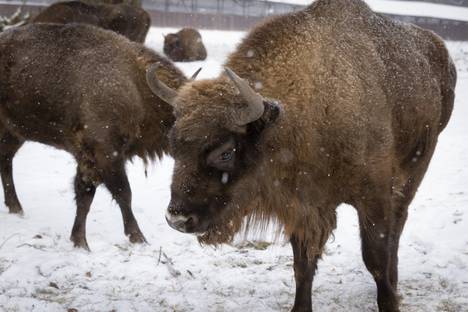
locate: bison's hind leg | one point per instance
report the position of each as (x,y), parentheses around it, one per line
(406,180)
(382,215)
(9,145)
(114,177)
(101,164)
(111,167)
(85,183)
(407,177)
(377,227)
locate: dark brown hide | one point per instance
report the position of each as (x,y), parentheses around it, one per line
(363,98)
(185,46)
(82,89)
(129,21)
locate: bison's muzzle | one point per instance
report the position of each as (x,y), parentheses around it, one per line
(184,220)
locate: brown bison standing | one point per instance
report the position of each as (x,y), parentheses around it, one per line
(82,89)
(185,46)
(361,102)
(129,21)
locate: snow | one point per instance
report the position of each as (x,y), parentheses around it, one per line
(41,271)
(411,8)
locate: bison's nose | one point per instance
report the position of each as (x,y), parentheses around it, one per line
(180,222)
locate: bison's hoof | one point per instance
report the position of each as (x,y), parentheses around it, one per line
(80,242)
(137,238)
(301,309)
(15,209)
(389,307)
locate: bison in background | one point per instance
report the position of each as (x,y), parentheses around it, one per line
(129,21)
(82,89)
(185,46)
(350,107)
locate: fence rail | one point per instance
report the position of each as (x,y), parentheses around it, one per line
(463,3)
(228,7)
(239,14)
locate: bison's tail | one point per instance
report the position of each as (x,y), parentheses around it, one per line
(448,83)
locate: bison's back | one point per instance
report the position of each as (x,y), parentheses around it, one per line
(69,12)
(417,77)
(341,50)
(54,78)
(129,21)
(392,85)
(353,82)
(420,85)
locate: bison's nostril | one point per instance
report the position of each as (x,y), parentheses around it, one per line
(173,211)
(189,221)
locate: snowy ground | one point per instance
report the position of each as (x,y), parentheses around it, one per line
(41,271)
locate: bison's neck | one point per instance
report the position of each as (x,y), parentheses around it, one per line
(152,139)
(292,186)
(158,115)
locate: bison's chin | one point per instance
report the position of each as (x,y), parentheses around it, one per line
(223,228)
(216,235)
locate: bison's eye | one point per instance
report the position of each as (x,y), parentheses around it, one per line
(226,156)
(223,157)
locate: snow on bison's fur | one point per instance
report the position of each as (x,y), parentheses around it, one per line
(343,106)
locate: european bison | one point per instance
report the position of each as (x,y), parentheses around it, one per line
(129,21)
(185,46)
(82,89)
(350,107)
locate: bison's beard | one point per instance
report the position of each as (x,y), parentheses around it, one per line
(228,222)
(247,210)
(240,219)
(215,235)
(223,229)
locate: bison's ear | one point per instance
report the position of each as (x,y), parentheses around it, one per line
(272,111)
(270,115)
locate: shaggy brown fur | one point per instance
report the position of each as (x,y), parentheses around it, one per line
(129,21)
(185,46)
(82,89)
(363,98)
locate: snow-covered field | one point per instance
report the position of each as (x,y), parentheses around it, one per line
(41,271)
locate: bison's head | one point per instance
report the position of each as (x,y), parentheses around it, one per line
(216,143)
(184,46)
(172,43)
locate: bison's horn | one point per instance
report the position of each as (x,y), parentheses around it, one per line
(195,74)
(158,87)
(255,102)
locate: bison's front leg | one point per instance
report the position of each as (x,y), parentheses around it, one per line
(304,270)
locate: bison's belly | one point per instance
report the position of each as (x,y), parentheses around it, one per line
(38,121)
